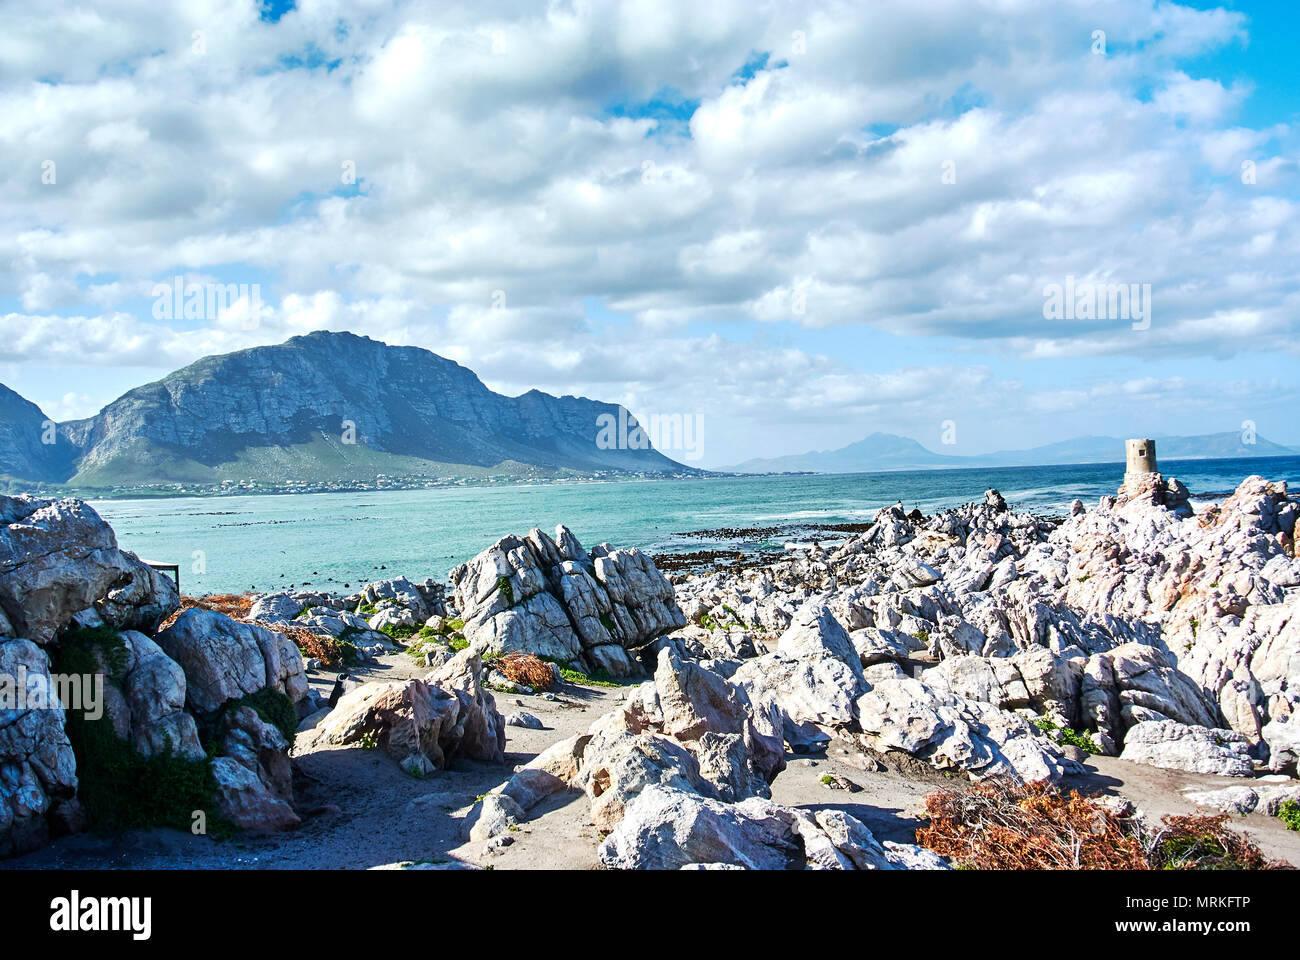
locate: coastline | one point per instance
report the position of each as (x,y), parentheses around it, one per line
(175,489)
(884,656)
(424,533)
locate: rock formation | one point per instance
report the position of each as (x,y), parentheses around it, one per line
(678,777)
(63,580)
(422,724)
(554,599)
(1135,612)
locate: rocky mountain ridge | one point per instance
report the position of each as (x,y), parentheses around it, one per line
(318,406)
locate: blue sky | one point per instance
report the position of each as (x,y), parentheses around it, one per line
(746,216)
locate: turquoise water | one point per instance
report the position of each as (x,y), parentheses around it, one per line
(331,539)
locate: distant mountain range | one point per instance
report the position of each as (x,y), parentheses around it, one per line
(318,407)
(883,451)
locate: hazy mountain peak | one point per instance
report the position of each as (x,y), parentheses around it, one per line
(885,451)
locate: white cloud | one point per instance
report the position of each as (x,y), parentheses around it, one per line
(505,147)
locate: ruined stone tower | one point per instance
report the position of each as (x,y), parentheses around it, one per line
(1142,481)
(1141,458)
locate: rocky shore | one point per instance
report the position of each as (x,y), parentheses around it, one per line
(762,715)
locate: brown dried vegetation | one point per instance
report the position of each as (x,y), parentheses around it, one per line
(1005,825)
(327,649)
(234,605)
(526,669)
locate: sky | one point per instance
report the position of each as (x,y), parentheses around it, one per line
(796,223)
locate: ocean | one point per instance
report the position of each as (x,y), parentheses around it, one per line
(337,541)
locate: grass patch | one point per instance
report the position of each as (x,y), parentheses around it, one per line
(422,646)
(272,706)
(399,631)
(1288,812)
(571,674)
(507,591)
(91,646)
(1074,739)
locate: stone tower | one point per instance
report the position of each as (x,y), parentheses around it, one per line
(1141,458)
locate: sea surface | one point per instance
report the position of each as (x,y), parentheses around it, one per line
(337,541)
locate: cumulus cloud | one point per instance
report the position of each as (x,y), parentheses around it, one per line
(596,198)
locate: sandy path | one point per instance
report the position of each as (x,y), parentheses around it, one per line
(359,809)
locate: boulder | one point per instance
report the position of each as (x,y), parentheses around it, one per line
(37,767)
(669,829)
(1036,678)
(547,774)
(1283,738)
(479,730)
(911,572)
(834,840)
(953,733)
(153,691)
(694,702)
(390,617)
(275,608)
(815,634)
(402,593)
(538,626)
(803,702)
(227,659)
(403,717)
(1177,746)
(254,782)
(57,557)
(623,757)
(492,816)
(445,715)
(666,828)
(142,604)
(810,684)
(1263,798)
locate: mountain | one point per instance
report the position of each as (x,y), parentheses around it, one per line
(882,451)
(1212,446)
(330,406)
(23,452)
